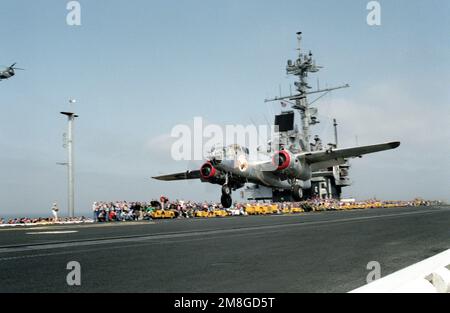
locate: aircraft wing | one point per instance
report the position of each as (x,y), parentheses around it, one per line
(180,176)
(335,154)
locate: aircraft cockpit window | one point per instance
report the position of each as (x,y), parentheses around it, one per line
(237,149)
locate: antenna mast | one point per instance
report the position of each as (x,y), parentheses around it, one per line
(303,65)
(335,124)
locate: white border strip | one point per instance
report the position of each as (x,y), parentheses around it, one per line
(429,275)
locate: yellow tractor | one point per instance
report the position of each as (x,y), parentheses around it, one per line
(162,214)
(250,209)
(220,213)
(296,210)
(202,214)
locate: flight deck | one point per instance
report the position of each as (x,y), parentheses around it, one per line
(308,252)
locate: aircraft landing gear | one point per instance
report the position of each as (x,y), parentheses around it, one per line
(226,199)
(226,190)
(297,193)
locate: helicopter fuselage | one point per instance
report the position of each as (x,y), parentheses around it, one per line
(6,74)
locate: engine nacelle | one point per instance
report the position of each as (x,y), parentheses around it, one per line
(281,160)
(210,174)
(290,166)
(207,171)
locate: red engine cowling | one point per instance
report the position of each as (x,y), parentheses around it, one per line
(281,160)
(290,166)
(207,171)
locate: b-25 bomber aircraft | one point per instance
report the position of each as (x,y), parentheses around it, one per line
(230,167)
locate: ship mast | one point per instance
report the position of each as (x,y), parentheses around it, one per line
(303,65)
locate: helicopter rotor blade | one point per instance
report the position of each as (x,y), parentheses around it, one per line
(13,67)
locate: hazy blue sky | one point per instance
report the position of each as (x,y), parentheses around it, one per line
(137,68)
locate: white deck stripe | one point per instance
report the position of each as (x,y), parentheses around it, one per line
(53,232)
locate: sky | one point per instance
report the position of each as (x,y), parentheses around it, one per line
(138,68)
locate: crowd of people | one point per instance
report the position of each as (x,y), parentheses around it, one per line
(42,220)
(133,211)
(118,211)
